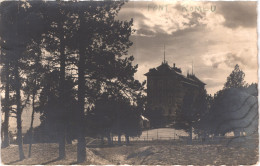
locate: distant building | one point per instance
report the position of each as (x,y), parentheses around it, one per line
(167,86)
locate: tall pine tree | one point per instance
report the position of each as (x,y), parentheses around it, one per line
(235,79)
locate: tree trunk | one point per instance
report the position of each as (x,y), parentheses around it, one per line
(19,113)
(62,142)
(31,127)
(69,140)
(81,151)
(62,116)
(102,139)
(81,146)
(34,92)
(112,140)
(6,108)
(237,133)
(109,139)
(190,135)
(119,138)
(204,136)
(127,138)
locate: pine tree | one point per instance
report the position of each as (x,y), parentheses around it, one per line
(10,15)
(194,107)
(16,32)
(235,79)
(100,41)
(55,40)
(34,77)
(6,103)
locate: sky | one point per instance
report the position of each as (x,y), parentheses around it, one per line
(215,36)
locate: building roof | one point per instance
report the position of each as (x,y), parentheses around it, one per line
(193,77)
(165,69)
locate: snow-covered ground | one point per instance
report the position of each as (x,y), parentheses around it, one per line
(163,134)
(158,134)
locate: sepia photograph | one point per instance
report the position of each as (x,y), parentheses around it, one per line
(129,82)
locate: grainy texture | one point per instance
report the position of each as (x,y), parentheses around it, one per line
(149,153)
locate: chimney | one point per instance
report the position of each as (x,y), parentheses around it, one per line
(173,64)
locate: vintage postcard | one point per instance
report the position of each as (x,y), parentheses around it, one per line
(129,83)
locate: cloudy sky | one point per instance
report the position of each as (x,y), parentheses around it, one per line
(214,35)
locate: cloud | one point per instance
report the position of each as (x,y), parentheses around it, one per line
(243,59)
(213,82)
(200,37)
(145,32)
(181,45)
(238,14)
(215,64)
(194,19)
(126,15)
(158,18)
(214,60)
